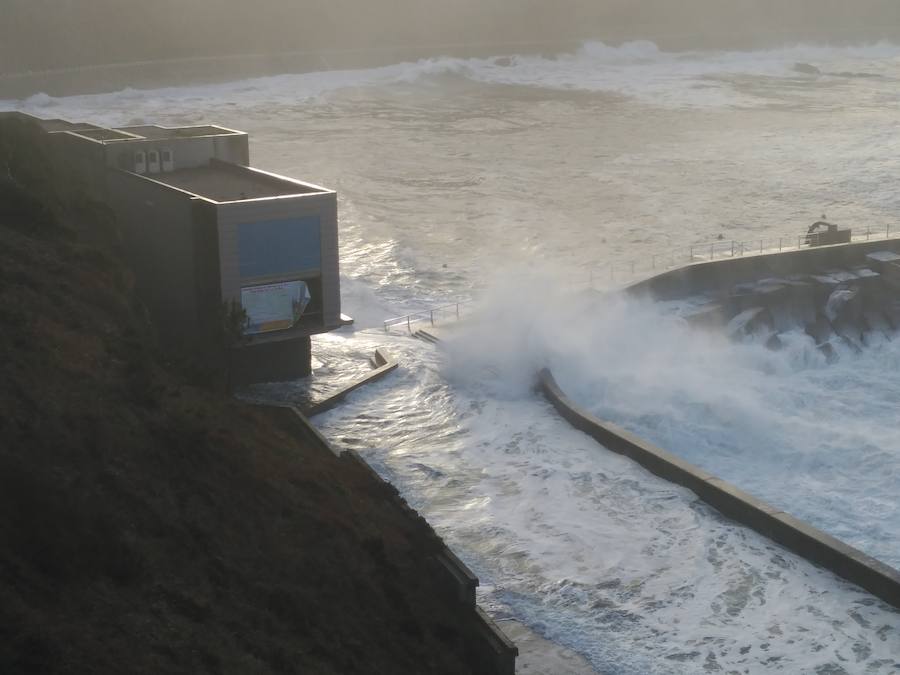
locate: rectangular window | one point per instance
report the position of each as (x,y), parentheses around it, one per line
(280,247)
(274,306)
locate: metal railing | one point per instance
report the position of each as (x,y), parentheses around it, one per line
(619,271)
(432,315)
(613,272)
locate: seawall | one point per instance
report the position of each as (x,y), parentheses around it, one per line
(723,274)
(794,534)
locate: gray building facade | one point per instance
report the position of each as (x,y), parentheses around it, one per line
(206,232)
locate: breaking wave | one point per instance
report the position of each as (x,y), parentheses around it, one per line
(638,69)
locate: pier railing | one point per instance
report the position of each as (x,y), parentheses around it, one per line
(433,315)
(612,273)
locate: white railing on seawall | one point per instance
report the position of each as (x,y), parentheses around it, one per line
(432,315)
(615,272)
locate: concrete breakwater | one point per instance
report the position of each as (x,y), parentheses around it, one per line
(848,293)
(382,364)
(794,534)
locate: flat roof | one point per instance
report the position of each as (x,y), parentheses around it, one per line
(223,182)
(137,132)
(51,125)
(102,134)
(157,132)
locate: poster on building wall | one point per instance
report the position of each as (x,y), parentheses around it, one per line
(274,306)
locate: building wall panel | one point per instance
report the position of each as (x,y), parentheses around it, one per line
(233,216)
(157,228)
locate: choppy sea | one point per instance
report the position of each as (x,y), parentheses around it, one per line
(505,179)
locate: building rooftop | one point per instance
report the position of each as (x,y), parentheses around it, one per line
(156,132)
(52,126)
(224,182)
(103,134)
(152,132)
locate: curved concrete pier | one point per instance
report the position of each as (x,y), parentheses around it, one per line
(798,536)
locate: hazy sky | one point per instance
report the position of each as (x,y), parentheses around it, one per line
(38,34)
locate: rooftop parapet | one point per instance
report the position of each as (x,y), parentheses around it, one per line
(223,182)
(156,132)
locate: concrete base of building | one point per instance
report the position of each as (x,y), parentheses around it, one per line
(272,361)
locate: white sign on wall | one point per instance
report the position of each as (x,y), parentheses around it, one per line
(274,306)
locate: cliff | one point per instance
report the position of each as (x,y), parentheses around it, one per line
(149,524)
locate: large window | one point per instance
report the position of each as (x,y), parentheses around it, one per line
(274,306)
(279,247)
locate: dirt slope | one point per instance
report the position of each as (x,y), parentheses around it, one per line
(148,525)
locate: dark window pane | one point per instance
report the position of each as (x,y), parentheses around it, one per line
(279,247)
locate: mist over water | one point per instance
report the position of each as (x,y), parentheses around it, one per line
(815,438)
(47,34)
(578,542)
(472,177)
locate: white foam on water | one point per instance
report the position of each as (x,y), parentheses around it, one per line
(635,69)
(814,438)
(580,543)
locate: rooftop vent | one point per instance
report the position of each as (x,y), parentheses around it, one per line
(168,159)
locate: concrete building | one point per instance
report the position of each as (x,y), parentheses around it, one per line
(205,232)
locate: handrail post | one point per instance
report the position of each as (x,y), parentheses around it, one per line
(457,311)
(653,261)
(712,253)
(692,254)
(760,246)
(732,248)
(408,324)
(867,233)
(779,244)
(432,317)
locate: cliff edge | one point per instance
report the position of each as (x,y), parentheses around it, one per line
(149,523)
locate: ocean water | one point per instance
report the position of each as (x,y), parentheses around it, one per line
(505,179)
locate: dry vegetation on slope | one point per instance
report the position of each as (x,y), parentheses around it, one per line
(152,526)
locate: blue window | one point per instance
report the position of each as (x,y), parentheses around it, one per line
(278,247)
